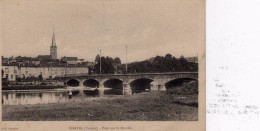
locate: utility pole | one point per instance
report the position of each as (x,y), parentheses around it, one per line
(126,59)
(100,62)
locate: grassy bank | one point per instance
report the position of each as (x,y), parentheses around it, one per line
(145,106)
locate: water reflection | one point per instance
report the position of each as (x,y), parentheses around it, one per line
(22,98)
(53,96)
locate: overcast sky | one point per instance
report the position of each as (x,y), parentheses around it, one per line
(82,28)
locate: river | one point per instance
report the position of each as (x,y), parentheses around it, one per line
(25,97)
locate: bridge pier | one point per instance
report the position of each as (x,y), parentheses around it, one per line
(81,92)
(81,84)
(154,86)
(101,89)
(81,89)
(161,87)
(127,89)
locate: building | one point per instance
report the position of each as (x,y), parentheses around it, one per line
(8,61)
(72,61)
(43,57)
(14,72)
(36,61)
(10,72)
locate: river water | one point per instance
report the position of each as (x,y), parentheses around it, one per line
(25,97)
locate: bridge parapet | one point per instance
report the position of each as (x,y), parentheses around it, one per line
(179,74)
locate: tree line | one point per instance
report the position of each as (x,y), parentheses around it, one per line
(167,63)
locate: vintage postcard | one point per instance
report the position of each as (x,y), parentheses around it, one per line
(102,65)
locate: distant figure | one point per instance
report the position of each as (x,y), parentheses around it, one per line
(70,94)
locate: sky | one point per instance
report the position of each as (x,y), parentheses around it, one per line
(82,28)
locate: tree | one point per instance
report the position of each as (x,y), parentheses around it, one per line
(97,65)
(117,61)
(107,65)
(40,77)
(168,56)
(97,59)
(184,62)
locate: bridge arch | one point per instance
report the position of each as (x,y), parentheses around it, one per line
(182,85)
(73,82)
(141,85)
(93,83)
(114,83)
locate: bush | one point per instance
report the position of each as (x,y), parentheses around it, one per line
(189,88)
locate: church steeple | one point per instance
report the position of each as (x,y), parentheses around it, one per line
(53,48)
(53,40)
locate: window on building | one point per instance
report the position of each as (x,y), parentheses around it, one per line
(15,71)
(11,76)
(6,70)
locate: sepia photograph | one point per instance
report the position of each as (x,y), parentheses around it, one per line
(103,60)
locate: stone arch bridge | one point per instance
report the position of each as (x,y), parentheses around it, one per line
(129,82)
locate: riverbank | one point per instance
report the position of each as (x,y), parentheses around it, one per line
(142,107)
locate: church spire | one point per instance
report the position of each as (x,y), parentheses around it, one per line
(53,43)
(53,48)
